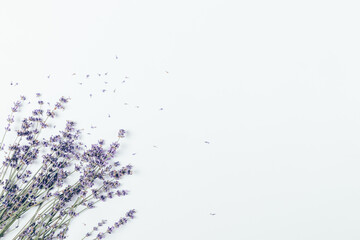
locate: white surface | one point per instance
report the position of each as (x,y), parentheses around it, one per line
(272,85)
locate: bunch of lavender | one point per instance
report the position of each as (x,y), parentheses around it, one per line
(68,179)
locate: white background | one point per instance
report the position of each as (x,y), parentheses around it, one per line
(273,86)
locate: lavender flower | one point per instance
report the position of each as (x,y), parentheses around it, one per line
(121,133)
(110,229)
(56,202)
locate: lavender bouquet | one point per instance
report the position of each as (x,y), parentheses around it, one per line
(46,182)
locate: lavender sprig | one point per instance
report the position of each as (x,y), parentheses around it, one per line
(129,215)
(48,189)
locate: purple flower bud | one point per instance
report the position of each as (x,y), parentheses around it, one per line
(131,213)
(110,230)
(121,133)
